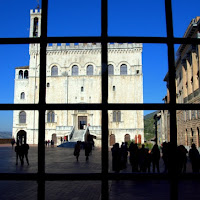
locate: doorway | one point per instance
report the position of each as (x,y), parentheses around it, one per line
(21,137)
(82,122)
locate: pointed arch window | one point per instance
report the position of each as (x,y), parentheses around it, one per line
(116,116)
(22,95)
(50,117)
(110,69)
(89,70)
(123,69)
(22,117)
(26,74)
(75,70)
(54,71)
(20,74)
(35,28)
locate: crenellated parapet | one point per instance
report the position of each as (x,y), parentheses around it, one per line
(85,48)
(36,11)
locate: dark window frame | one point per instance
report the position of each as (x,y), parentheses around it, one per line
(41,177)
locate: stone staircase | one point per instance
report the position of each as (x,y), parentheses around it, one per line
(77,136)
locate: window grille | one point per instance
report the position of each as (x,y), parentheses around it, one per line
(41,177)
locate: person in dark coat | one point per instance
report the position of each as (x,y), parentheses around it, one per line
(182,158)
(133,149)
(12,142)
(116,158)
(25,148)
(77,149)
(124,154)
(155,152)
(194,158)
(143,153)
(165,155)
(18,151)
(87,150)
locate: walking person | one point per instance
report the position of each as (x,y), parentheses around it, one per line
(116,158)
(25,148)
(87,150)
(194,158)
(12,142)
(77,149)
(18,153)
(155,158)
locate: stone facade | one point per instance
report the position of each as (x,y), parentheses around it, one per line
(187,87)
(73,75)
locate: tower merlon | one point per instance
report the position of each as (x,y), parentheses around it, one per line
(36,11)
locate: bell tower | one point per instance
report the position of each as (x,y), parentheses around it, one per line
(35,23)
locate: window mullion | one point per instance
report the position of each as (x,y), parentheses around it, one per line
(172,91)
(104,92)
(42,103)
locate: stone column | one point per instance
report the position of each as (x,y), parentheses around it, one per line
(195,68)
(184,68)
(189,75)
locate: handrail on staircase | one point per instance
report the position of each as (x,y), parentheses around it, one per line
(72,133)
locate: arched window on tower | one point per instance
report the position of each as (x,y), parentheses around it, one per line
(20,74)
(54,71)
(123,69)
(22,117)
(110,70)
(51,117)
(35,27)
(75,70)
(26,74)
(89,70)
(22,96)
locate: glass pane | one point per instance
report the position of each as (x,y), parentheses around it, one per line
(18,149)
(187,73)
(138,74)
(78,78)
(73,190)
(18,190)
(15,79)
(15,18)
(127,18)
(182,16)
(73,142)
(140,190)
(74,18)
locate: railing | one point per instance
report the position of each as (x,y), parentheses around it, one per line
(72,133)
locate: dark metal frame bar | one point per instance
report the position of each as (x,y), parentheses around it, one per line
(104,176)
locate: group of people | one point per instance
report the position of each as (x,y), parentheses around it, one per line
(48,142)
(21,152)
(86,145)
(142,158)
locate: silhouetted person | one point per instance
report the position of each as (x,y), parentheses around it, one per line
(124,154)
(194,158)
(87,150)
(61,140)
(18,151)
(77,149)
(143,159)
(133,149)
(148,160)
(181,158)
(12,142)
(155,152)
(25,148)
(165,155)
(116,158)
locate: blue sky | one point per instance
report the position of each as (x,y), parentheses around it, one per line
(82,18)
